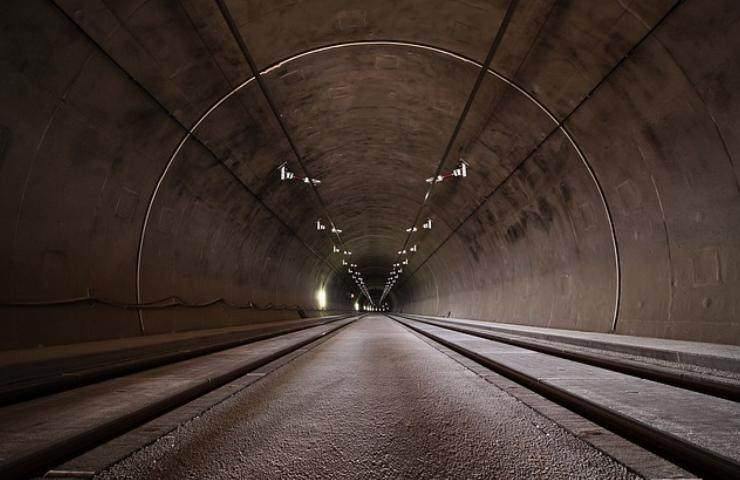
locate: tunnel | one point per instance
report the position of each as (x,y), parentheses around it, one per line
(543,170)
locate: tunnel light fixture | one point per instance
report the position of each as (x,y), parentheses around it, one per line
(436,179)
(402,252)
(335,249)
(460,171)
(353,265)
(347,252)
(405,261)
(335,230)
(413,248)
(427,225)
(320,226)
(285,174)
(344,262)
(412,229)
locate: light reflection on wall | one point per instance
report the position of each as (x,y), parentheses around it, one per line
(321,298)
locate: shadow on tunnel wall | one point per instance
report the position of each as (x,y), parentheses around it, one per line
(655,251)
(120,180)
(89,212)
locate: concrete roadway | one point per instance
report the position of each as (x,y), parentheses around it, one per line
(375,401)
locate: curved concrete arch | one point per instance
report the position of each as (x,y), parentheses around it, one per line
(393,43)
(137,162)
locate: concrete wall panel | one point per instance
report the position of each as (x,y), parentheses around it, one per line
(136,124)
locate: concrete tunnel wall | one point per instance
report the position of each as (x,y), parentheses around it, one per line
(660,134)
(627,218)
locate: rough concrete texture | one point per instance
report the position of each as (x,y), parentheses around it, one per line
(701,420)
(714,359)
(60,425)
(372,402)
(627,218)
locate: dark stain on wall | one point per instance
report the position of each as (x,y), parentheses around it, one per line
(5,136)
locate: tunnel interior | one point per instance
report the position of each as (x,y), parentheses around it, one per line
(159,162)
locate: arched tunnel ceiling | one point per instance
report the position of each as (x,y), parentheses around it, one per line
(580,96)
(372,119)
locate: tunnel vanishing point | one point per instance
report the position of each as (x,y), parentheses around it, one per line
(191,170)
